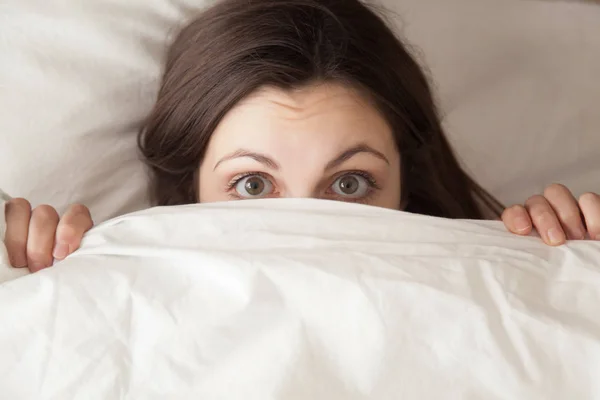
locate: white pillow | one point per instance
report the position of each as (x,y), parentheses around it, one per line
(517,81)
(304,299)
(76,80)
(518,85)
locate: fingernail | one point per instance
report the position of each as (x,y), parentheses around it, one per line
(20,264)
(522,224)
(579,234)
(556,236)
(61,251)
(36,266)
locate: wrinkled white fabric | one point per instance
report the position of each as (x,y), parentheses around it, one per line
(304,299)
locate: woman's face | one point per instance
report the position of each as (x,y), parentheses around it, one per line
(324,141)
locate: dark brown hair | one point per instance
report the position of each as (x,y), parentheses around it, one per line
(238,46)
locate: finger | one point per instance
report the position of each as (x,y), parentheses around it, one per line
(590,207)
(545,220)
(567,210)
(516,219)
(17,214)
(71,228)
(42,228)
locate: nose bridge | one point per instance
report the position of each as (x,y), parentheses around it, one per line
(302,171)
(300,194)
(301,189)
(302,182)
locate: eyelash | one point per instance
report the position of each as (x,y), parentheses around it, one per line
(369,178)
(233,183)
(373,186)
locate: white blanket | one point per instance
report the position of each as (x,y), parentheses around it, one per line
(304,299)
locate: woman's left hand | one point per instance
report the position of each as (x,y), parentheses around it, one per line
(557,216)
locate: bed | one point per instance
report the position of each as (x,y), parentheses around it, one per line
(297,299)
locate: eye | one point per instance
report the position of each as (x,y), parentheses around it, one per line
(253,186)
(351,185)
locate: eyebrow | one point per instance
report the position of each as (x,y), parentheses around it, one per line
(241,153)
(336,162)
(351,152)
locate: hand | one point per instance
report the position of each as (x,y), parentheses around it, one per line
(35,238)
(557,216)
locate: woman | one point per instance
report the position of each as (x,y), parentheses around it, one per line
(300,98)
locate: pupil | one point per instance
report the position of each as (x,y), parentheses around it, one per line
(349,185)
(254,186)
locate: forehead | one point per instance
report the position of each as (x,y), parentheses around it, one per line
(324,115)
(305,102)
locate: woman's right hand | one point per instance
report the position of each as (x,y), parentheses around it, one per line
(34,238)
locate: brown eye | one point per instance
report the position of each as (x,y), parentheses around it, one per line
(351,185)
(253,186)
